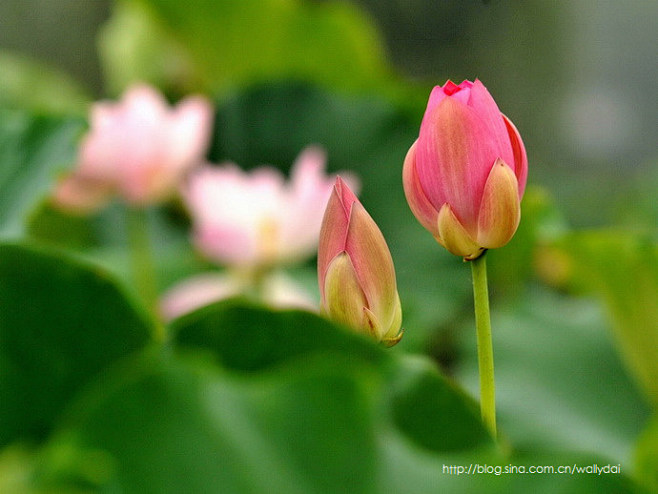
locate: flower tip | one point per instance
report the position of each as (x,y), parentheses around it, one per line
(450,87)
(340,183)
(314,153)
(344,193)
(389,342)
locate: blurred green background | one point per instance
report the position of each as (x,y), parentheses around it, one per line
(573,295)
(575,77)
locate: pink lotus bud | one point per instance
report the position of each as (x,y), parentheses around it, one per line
(138,148)
(355,269)
(465,175)
(257,219)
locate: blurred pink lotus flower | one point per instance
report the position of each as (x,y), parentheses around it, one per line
(355,270)
(278,291)
(465,175)
(138,148)
(256,219)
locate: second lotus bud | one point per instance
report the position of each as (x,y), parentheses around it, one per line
(355,269)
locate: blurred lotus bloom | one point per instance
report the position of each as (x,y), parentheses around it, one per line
(278,291)
(355,269)
(465,175)
(257,219)
(138,148)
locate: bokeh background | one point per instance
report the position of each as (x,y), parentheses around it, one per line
(573,295)
(577,77)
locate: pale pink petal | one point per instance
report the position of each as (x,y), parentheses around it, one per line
(102,115)
(143,158)
(236,215)
(283,292)
(189,132)
(307,199)
(145,101)
(308,169)
(97,158)
(279,291)
(204,191)
(227,244)
(197,292)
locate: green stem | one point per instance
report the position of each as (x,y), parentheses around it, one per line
(256,284)
(484,343)
(142,264)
